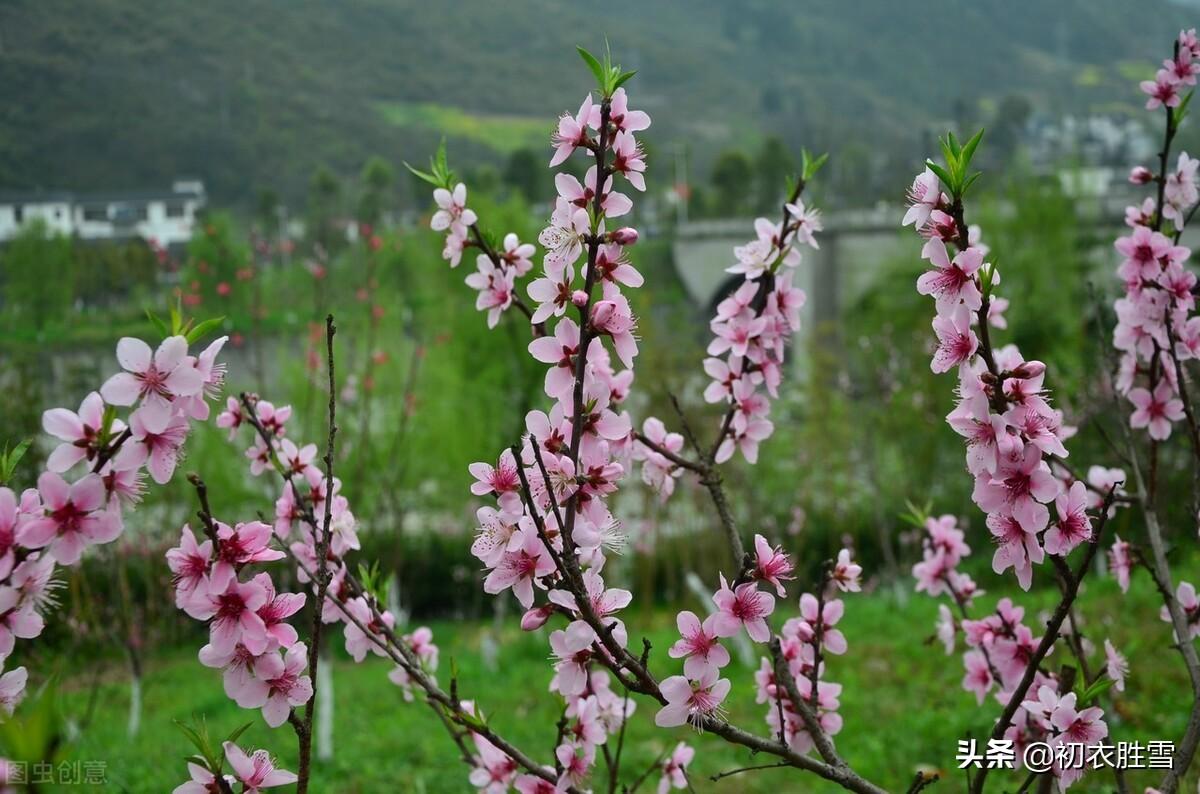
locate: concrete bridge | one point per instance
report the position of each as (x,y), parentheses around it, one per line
(855,244)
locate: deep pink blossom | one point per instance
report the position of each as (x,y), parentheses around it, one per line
(240,545)
(951,282)
(957,343)
(1073,525)
(190,563)
(75,518)
(520,569)
(772,565)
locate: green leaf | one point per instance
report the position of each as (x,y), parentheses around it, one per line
(106,421)
(941,174)
(203,329)
(953,143)
(233,737)
(439,164)
(811,167)
(968,151)
(176,320)
(423,176)
(10,459)
(199,739)
(1099,686)
(594,65)
(916,515)
(948,154)
(622,79)
(159,325)
(1181,111)
(970,181)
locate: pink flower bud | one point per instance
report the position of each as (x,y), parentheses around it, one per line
(579,298)
(1140,175)
(536,617)
(1029,369)
(602,312)
(626,235)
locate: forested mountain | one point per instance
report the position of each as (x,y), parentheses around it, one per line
(256,94)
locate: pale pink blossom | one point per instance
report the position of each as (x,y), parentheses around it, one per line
(563,238)
(358,641)
(203,781)
(924,197)
(1115,665)
(452,212)
(1120,562)
(614,318)
(1155,411)
(1189,603)
(155,377)
(619,114)
(571,132)
(978,678)
(629,160)
(571,648)
(692,701)
(79,432)
(846,573)
(698,645)
(674,771)
(1163,90)
(156,442)
(257,771)
(19,619)
(284,683)
(12,689)
(746,606)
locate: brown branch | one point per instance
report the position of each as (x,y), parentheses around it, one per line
(110,450)
(477,239)
(322,575)
(1070,592)
(674,457)
(740,770)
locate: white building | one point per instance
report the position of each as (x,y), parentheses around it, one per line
(164,217)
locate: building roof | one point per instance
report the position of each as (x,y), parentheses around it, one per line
(98,197)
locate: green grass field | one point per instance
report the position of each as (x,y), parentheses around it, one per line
(902,704)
